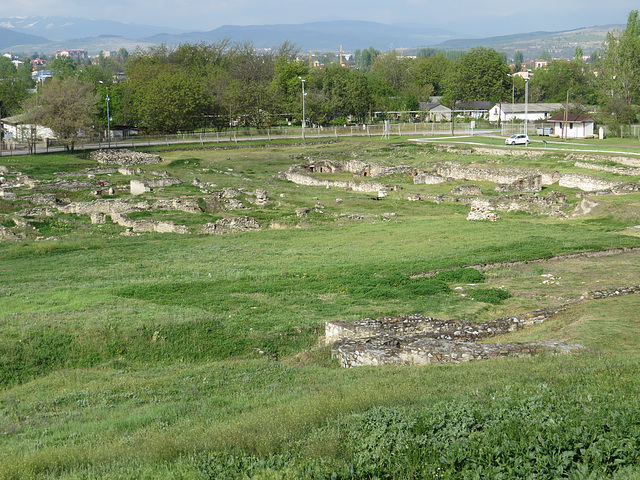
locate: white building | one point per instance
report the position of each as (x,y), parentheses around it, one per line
(573,125)
(507,112)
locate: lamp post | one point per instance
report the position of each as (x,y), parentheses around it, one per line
(526,105)
(108,116)
(304,120)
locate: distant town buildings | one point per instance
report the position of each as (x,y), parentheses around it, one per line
(75,54)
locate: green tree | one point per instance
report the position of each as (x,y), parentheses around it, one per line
(345,93)
(67,106)
(14,86)
(478,75)
(620,76)
(518,60)
(365,58)
(63,66)
(172,89)
(392,69)
(287,84)
(552,83)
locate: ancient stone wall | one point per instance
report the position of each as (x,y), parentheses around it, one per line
(105,206)
(124,157)
(496,175)
(466,190)
(382,350)
(148,225)
(430,179)
(587,183)
(422,340)
(231,225)
(139,187)
(532,183)
(304,179)
(609,168)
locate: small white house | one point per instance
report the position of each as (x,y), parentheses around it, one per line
(507,112)
(18,129)
(573,125)
(436,112)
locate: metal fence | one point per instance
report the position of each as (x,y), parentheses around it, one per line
(238,135)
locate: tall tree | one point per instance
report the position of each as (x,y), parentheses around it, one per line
(67,106)
(621,63)
(14,86)
(518,60)
(478,75)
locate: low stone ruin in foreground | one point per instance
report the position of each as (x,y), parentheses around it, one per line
(422,340)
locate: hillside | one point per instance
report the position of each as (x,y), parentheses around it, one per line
(10,38)
(94,35)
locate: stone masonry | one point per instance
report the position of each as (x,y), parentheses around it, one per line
(422,340)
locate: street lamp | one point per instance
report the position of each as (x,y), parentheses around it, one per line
(108,116)
(304,121)
(526,105)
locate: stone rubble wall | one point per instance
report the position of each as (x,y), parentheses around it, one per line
(231,225)
(466,190)
(124,157)
(532,183)
(7,194)
(482,210)
(628,161)
(104,206)
(587,183)
(421,340)
(187,205)
(495,175)
(419,351)
(148,225)
(430,179)
(139,187)
(18,181)
(608,168)
(88,172)
(308,180)
(356,167)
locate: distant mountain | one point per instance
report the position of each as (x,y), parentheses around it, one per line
(558,44)
(317,35)
(65,28)
(30,34)
(9,38)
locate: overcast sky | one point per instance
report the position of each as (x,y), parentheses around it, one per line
(472,17)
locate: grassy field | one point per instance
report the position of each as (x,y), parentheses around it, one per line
(198,356)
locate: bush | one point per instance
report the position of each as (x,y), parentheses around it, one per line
(461,275)
(494,296)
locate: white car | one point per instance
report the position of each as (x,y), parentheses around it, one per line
(519,139)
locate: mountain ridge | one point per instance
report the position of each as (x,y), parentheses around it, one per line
(71,32)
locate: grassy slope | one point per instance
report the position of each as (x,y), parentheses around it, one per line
(134,356)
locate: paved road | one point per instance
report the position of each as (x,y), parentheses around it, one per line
(226,140)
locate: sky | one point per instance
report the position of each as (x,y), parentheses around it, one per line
(468,17)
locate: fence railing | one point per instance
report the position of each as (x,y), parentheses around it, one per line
(237,135)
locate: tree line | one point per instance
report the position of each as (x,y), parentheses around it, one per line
(222,85)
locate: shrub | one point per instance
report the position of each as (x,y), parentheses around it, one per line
(461,275)
(494,296)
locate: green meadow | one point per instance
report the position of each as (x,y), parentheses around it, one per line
(200,356)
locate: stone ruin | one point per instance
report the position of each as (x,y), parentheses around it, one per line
(301,175)
(422,340)
(124,157)
(482,210)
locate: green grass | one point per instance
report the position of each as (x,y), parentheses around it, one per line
(196,356)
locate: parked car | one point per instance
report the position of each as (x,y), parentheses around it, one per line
(518,139)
